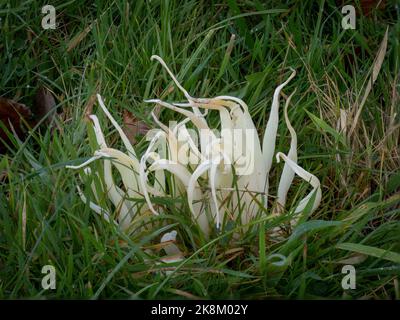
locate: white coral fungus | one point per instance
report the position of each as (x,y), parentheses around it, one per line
(220,183)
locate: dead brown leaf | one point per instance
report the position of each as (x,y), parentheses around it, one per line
(45,105)
(368,6)
(13,115)
(133,126)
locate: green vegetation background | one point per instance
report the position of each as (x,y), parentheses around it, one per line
(105,46)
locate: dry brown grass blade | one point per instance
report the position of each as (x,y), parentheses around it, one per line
(88,110)
(159,246)
(23,227)
(182,270)
(354,259)
(172,258)
(375,71)
(184,294)
(229,252)
(79,37)
(396,287)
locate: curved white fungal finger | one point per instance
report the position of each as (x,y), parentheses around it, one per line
(127,167)
(86,163)
(144,189)
(195,152)
(121,133)
(194,194)
(116,195)
(195,108)
(159,182)
(159,123)
(201,124)
(96,208)
(185,177)
(235,99)
(287,173)
(88,172)
(171,249)
(98,132)
(193,186)
(197,121)
(269,140)
(162,62)
(213,176)
(143,173)
(310,178)
(187,151)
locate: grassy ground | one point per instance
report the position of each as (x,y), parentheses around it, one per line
(105,46)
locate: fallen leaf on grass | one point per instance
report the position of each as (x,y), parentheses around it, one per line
(12,114)
(368,6)
(45,105)
(133,127)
